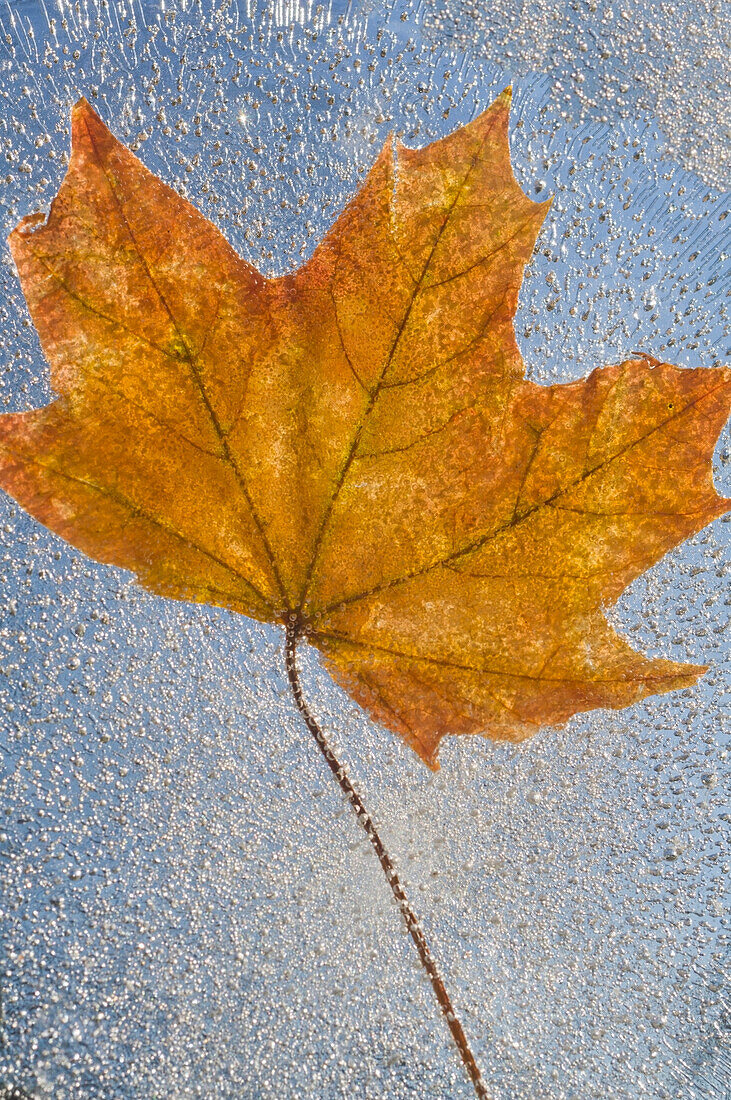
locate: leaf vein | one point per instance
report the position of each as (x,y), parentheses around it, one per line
(482,540)
(461,666)
(376,390)
(230,458)
(136,510)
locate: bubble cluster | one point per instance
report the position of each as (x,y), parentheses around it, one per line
(612,60)
(188,908)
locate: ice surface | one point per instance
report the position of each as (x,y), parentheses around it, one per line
(188,909)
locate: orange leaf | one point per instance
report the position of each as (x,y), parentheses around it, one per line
(353,448)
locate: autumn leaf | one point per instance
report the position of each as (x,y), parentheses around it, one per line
(352,449)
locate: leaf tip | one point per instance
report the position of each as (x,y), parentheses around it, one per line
(83,116)
(427,753)
(82,107)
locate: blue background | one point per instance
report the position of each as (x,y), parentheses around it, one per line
(187,907)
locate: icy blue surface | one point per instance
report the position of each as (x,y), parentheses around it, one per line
(187,908)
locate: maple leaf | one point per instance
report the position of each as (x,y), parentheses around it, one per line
(352,450)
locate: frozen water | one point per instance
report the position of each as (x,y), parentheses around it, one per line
(609,60)
(188,909)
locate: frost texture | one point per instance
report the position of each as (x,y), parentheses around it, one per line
(607,60)
(171,921)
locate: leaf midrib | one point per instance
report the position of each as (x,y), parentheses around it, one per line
(195,374)
(351,453)
(444,662)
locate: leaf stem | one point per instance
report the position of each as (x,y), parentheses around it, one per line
(294,632)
